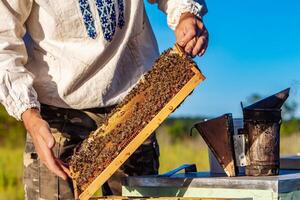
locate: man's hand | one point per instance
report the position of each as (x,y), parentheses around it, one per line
(191,34)
(42,140)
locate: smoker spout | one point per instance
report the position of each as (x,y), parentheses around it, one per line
(272,102)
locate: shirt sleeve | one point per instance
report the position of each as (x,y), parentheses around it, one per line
(16,91)
(174,9)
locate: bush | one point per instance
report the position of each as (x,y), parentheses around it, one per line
(180,128)
(12,132)
(11,186)
(290,127)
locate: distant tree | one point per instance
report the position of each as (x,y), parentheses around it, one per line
(289,110)
(180,128)
(290,127)
(12,132)
(253,98)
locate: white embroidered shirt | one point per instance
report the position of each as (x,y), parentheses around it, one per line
(78,53)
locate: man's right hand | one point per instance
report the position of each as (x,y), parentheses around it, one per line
(43,140)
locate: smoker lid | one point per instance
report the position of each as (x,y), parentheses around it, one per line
(273,115)
(272,102)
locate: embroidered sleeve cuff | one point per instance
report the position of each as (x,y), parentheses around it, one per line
(25,107)
(198,8)
(16,106)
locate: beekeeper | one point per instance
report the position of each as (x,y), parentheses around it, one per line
(80,59)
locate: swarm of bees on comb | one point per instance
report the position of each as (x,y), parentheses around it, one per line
(137,113)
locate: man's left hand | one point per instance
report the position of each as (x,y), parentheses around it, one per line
(191,34)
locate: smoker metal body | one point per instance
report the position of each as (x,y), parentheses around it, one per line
(262,128)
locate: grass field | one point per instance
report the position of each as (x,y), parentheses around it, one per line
(173,154)
(179,152)
(11,173)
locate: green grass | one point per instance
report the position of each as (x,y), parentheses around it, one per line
(11,186)
(290,145)
(184,151)
(174,152)
(172,155)
(12,137)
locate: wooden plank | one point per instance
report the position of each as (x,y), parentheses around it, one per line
(143,135)
(151,198)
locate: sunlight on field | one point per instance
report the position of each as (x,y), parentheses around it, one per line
(187,151)
(173,154)
(290,145)
(11,186)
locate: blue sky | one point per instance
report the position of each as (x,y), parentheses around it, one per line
(254,48)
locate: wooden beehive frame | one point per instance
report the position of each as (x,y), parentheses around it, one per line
(124,112)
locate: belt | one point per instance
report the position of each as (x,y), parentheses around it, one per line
(102,110)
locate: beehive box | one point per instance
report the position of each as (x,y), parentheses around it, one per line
(172,78)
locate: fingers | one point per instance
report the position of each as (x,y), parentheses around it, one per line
(44,142)
(54,166)
(197,46)
(47,157)
(200,25)
(205,39)
(48,138)
(192,35)
(200,47)
(202,42)
(188,34)
(64,167)
(202,52)
(190,46)
(179,34)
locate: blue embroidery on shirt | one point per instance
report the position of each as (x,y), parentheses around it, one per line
(121,18)
(88,18)
(107,15)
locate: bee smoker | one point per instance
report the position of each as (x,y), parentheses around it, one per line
(255,147)
(262,128)
(262,121)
